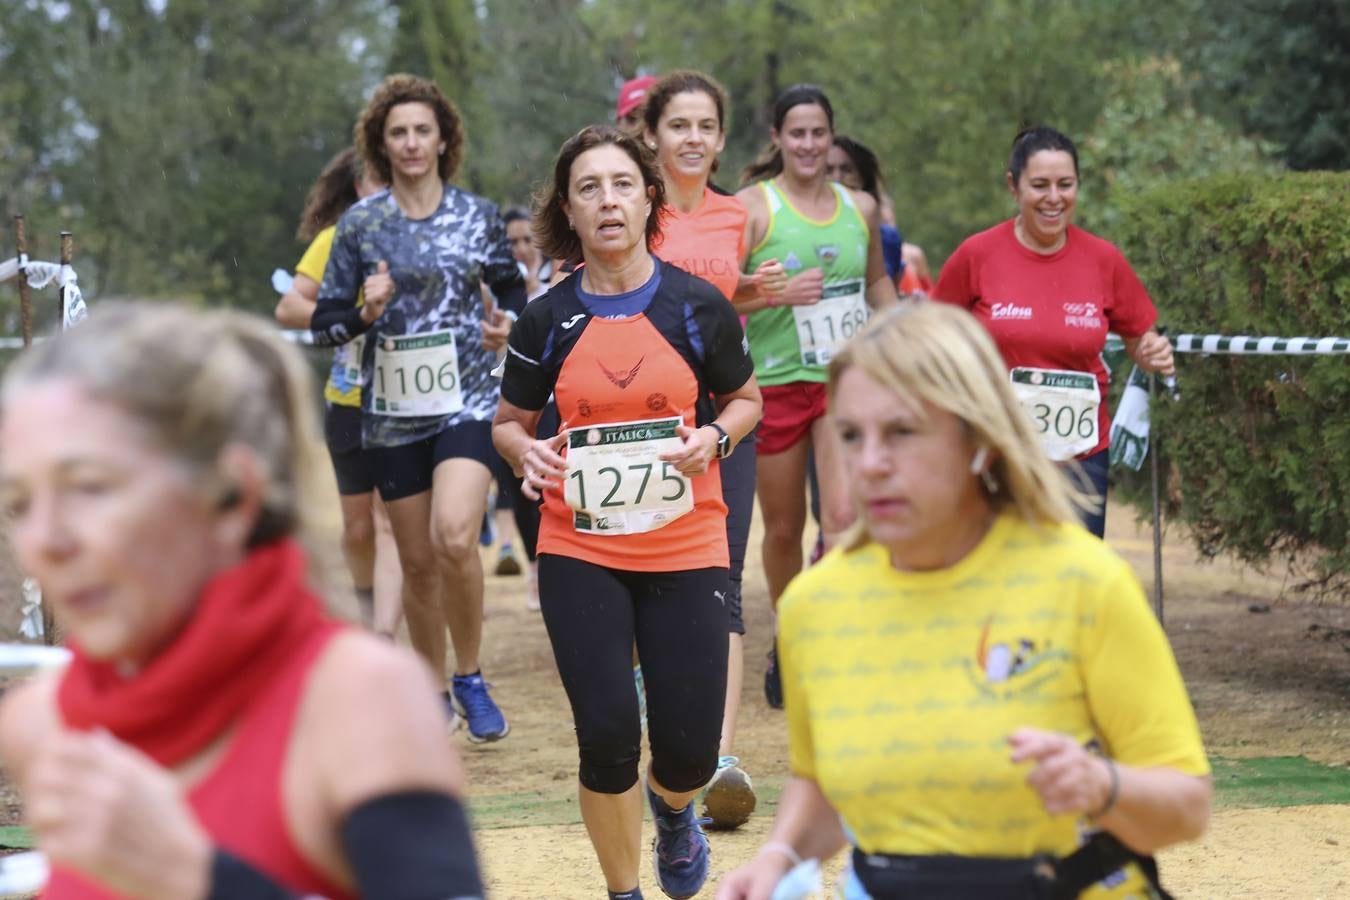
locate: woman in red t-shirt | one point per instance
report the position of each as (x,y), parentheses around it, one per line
(216,733)
(703,232)
(1049,292)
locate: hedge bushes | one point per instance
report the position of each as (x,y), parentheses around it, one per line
(1258,448)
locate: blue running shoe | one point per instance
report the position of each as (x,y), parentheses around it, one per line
(680,852)
(485,720)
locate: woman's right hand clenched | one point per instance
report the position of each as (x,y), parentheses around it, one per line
(542,467)
(378,290)
(803,289)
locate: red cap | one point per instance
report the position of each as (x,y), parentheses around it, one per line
(632,94)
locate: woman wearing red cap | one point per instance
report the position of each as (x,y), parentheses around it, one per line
(628,111)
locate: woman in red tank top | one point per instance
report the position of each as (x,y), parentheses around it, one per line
(216,732)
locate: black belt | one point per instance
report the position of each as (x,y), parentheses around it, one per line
(888,877)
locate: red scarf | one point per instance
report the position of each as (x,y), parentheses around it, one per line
(246,627)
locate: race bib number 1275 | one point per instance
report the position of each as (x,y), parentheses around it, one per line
(616,481)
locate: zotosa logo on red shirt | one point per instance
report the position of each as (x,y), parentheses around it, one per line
(1009,311)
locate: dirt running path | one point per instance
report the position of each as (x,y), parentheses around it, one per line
(1296,852)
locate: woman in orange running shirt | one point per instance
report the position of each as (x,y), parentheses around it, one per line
(654,386)
(703,232)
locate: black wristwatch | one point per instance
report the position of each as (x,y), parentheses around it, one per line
(723,441)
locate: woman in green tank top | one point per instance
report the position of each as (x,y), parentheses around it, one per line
(828,240)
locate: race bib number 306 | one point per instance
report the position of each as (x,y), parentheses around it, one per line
(617,482)
(417,375)
(828,323)
(1062,406)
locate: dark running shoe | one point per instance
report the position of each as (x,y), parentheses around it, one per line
(453,722)
(680,851)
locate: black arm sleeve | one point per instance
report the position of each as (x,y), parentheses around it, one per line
(527,380)
(727,365)
(234,879)
(413,845)
(337,318)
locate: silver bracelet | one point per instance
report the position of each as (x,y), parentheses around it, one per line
(1114,794)
(783,848)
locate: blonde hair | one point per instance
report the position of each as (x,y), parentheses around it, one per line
(929,352)
(200,381)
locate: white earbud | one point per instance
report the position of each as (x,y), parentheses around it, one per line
(978,460)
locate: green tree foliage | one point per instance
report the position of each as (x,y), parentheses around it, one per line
(546,78)
(180,138)
(1147,133)
(1260,445)
(440,40)
(1279,68)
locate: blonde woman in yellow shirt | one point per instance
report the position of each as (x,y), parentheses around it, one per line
(975,686)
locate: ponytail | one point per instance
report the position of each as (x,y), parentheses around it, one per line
(765,166)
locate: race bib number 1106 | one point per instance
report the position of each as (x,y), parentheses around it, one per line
(417,375)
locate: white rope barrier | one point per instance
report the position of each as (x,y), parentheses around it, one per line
(1262,346)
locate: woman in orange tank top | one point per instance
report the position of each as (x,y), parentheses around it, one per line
(216,733)
(654,385)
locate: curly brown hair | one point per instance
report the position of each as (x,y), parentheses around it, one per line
(332,194)
(552,231)
(397,89)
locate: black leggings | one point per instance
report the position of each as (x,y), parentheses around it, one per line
(524,510)
(593,615)
(738,492)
